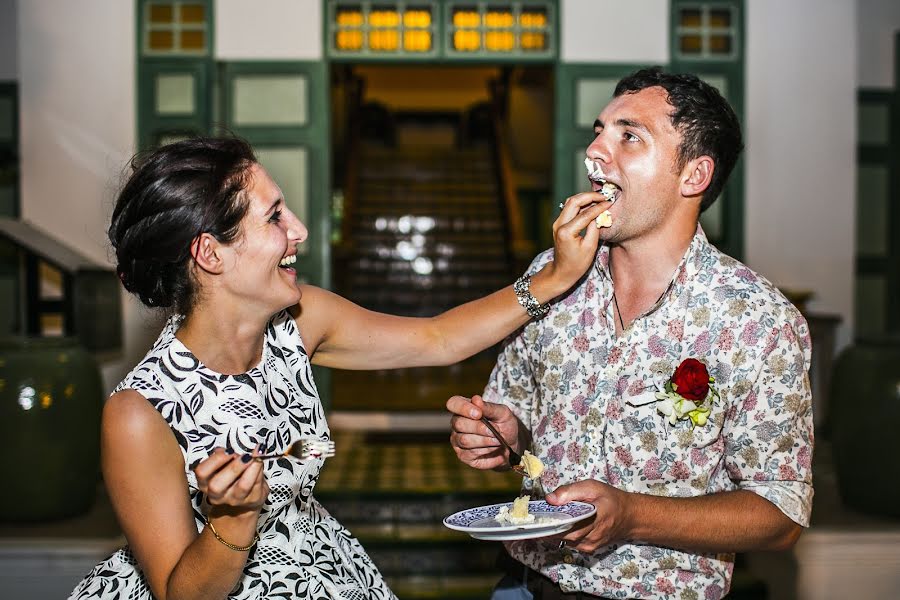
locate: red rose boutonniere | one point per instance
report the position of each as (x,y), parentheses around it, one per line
(688,394)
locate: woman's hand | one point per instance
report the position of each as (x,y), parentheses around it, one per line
(231,482)
(573,254)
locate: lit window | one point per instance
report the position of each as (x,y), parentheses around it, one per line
(175,28)
(706,31)
(382,29)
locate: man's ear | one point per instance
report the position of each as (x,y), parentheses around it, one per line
(207,253)
(697,176)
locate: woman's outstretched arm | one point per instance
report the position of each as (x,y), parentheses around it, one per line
(338,333)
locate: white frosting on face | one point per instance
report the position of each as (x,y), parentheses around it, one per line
(596,174)
(595,171)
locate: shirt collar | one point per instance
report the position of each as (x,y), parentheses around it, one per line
(691,263)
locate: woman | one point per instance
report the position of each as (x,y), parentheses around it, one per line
(201,227)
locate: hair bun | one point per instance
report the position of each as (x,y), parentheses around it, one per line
(154,283)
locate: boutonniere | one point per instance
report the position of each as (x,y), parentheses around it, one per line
(688,394)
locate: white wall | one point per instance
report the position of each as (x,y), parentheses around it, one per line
(78,129)
(9,69)
(878,22)
(614,31)
(801,151)
(268,30)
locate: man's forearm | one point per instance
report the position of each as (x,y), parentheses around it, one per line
(735,521)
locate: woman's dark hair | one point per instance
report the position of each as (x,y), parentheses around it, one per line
(705,120)
(174,194)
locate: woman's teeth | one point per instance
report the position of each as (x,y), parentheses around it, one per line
(288,260)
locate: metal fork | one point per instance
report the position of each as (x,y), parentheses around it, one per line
(309,448)
(515,459)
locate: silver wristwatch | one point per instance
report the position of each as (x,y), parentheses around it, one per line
(522,288)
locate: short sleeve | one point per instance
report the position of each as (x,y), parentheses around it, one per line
(512,382)
(770,439)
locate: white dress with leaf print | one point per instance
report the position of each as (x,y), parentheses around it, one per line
(303,552)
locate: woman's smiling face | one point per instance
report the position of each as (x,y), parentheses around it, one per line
(259,264)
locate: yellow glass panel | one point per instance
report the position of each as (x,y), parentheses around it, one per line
(161,13)
(50,282)
(466,40)
(466,18)
(533,41)
(720,44)
(193,40)
(498,19)
(533,20)
(350,17)
(499,41)
(417,18)
(417,41)
(193,13)
(349,40)
(691,44)
(720,17)
(52,325)
(384,40)
(384,18)
(160,40)
(690,17)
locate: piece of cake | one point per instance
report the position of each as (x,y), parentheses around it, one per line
(531,463)
(604,219)
(518,515)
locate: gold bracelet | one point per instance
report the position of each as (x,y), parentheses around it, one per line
(229,544)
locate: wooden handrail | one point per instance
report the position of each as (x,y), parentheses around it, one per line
(351,172)
(519,247)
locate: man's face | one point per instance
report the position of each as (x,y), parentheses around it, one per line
(636,146)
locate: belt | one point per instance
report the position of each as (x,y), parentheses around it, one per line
(540,586)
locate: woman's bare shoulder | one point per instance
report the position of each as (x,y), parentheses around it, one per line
(128,417)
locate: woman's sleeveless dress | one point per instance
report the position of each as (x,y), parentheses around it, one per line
(303,552)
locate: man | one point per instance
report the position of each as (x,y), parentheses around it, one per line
(680,482)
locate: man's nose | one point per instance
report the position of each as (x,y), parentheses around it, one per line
(598,149)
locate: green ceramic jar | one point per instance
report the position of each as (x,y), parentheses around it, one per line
(50,404)
(864,412)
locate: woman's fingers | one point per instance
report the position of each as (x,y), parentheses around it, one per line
(231,479)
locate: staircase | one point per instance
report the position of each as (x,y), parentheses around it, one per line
(428,231)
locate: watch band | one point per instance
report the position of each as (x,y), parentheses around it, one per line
(522,288)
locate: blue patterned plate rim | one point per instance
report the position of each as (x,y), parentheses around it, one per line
(466,520)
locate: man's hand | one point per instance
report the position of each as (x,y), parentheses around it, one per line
(610,523)
(472,441)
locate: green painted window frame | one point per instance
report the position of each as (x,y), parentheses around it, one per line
(571,139)
(705,30)
(10,90)
(151,128)
(731,69)
(11,315)
(442,30)
(144,26)
(314,136)
(887,156)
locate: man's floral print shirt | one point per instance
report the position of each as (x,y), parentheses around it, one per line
(589,400)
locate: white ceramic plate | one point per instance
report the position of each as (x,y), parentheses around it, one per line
(481,523)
